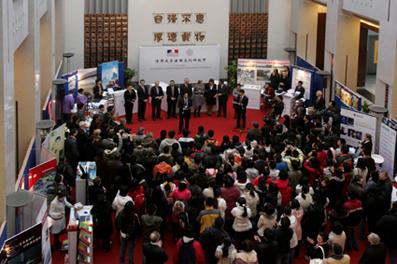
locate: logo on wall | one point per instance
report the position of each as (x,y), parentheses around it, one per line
(172,52)
(184,37)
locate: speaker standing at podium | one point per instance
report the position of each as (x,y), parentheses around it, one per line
(184,104)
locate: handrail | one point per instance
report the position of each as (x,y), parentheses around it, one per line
(24,163)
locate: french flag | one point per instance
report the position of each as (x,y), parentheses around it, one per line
(173,52)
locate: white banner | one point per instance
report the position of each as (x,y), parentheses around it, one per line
(387,148)
(354,126)
(304,76)
(256,71)
(164,63)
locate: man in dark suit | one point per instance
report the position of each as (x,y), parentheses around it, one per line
(242,110)
(184,104)
(172,97)
(142,100)
(186,87)
(222,94)
(157,94)
(210,96)
(129,99)
(254,133)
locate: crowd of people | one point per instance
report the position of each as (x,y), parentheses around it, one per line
(290,187)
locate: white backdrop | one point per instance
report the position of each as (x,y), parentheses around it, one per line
(354,126)
(387,148)
(178,62)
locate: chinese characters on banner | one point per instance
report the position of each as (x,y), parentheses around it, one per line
(185,37)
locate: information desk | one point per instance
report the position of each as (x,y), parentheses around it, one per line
(289,99)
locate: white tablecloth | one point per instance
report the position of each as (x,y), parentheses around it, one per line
(253,92)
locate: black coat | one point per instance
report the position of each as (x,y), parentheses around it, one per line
(209,94)
(374,254)
(143,93)
(72,153)
(222,92)
(154,93)
(386,228)
(181,104)
(186,89)
(103,223)
(129,97)
(169,92)
(154,254)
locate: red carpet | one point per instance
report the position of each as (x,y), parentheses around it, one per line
(221,126)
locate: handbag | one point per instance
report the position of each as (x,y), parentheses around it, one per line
(318,260)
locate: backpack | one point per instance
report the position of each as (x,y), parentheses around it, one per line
(187,254)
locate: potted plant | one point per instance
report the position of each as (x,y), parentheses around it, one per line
(129,74)
(231,70)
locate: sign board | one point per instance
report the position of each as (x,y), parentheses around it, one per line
(36,173)
(255,71)
(303,75)
(25,247)
(387,145)
(163,63)
(354,126)
(54,144)
(110,74)
(346,97)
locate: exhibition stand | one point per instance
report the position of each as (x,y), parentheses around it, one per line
(387,145)
(312,78)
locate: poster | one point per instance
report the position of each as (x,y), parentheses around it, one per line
(387,145)
(25,247)
(36,173)
(345,96)
(305,76)
(163,63)
(354,126)
(110,74)
(54,144)
(256,71)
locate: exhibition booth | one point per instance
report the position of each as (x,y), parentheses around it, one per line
(355,124)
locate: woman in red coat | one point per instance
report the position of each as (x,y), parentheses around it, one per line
(284,188)
(313,169)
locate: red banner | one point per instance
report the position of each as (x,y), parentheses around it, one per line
(39,171)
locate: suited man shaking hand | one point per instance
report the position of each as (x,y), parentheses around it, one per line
(184,104)
(157,94)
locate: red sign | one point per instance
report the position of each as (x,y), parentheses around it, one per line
(39,171)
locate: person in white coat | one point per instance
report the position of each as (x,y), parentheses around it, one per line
(57,216)
(121,199)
